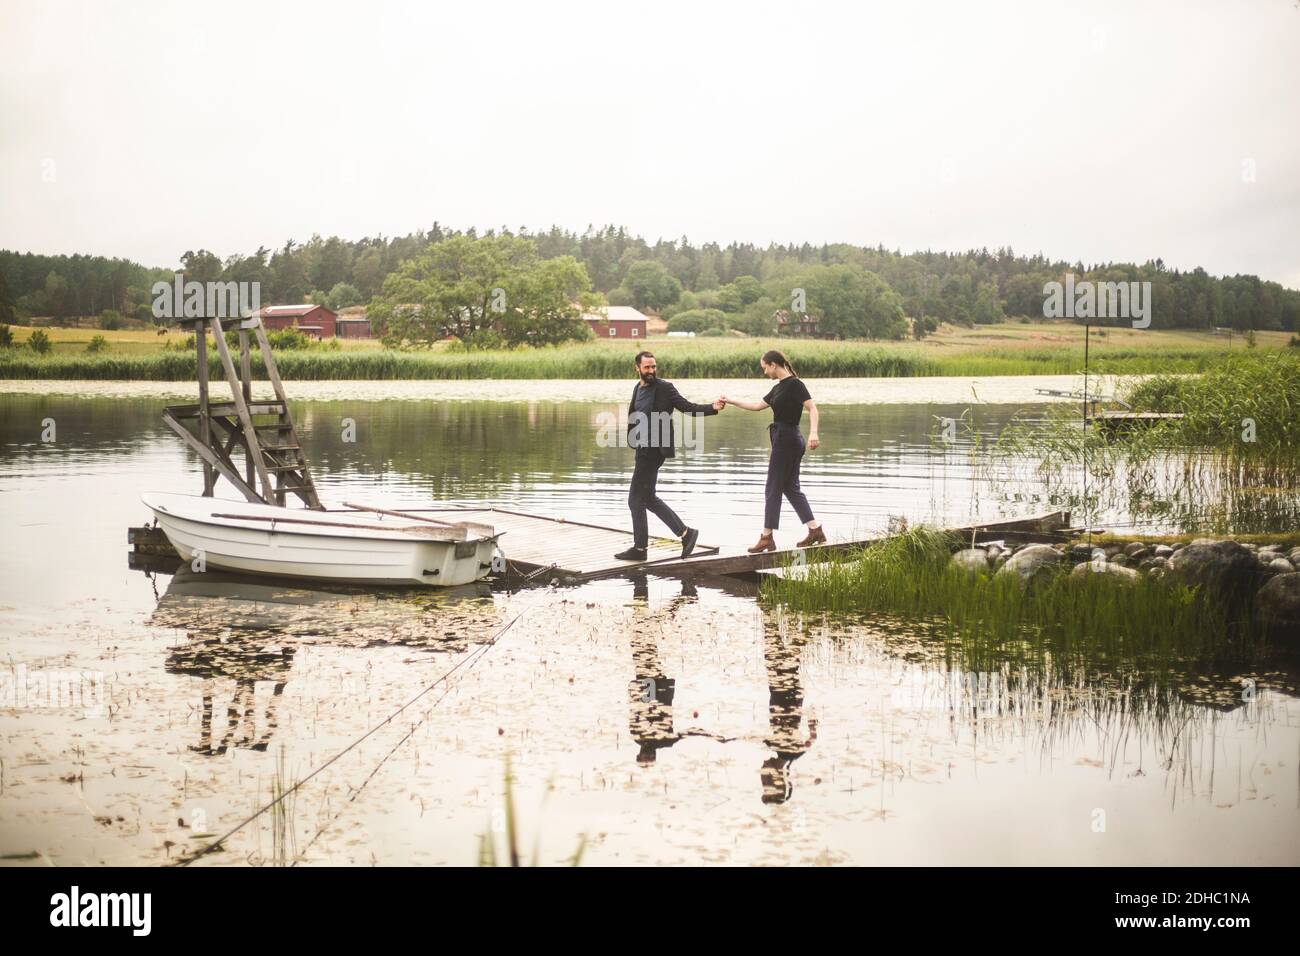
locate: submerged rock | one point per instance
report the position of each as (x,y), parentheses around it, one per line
(1278,605)
(1032,563)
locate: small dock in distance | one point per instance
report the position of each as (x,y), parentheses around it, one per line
(1116,420)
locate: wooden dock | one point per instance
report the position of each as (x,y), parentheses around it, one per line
(541,548)
(1116,420)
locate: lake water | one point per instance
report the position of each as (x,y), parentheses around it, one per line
(650,720)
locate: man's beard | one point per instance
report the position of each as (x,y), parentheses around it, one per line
(648,377)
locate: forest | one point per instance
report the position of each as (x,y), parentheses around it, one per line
(707,288)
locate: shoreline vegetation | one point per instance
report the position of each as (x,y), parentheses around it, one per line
(1072,603)
(1007,349)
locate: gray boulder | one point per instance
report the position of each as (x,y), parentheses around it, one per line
(1278,605)
(1163,551)
(1223,567)
(1033,563)
(1280,566)
(1109,569)
(975,560)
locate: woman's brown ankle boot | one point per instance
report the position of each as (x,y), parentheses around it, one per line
(816,535)
(765,543)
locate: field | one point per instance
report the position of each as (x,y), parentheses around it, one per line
(1012,348)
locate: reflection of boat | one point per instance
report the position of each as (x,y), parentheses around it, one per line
(344,547)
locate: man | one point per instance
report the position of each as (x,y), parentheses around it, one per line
(650,432)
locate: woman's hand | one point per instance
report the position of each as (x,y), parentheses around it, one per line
(813,440)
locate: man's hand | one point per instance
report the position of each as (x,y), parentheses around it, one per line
(720,403)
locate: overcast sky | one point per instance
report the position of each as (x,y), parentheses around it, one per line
(1094,131)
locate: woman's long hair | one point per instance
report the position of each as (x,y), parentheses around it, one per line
(773,357)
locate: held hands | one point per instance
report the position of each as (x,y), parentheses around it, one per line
(720,403)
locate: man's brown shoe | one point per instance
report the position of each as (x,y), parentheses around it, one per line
(816,536)
(765,543)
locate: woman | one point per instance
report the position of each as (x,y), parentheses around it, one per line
(787,399)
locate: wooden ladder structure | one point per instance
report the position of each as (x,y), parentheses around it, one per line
(272,452)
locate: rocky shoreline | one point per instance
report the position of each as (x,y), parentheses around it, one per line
(1262,581)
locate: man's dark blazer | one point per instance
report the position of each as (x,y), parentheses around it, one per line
(666,398)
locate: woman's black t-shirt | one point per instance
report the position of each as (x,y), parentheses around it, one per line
(787,398)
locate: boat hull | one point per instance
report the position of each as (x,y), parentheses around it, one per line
(384,557)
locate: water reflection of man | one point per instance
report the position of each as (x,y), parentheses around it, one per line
(782,658)
(650,693)
(246,661)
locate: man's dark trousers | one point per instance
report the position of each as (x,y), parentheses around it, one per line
(642,496)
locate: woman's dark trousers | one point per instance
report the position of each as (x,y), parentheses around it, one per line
(783,474)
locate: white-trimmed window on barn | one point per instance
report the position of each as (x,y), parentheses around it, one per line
(613,332)
(634,332)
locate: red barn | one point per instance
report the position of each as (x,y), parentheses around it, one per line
(618,322)
(352,327)
(312,320)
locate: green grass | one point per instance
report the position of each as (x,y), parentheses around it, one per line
(988,619)
(602,360)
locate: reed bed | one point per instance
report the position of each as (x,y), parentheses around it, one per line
(1230,464)
(986,619)
(604,360)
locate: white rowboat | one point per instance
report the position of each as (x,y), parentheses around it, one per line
(348,547)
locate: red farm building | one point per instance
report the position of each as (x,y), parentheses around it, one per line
(312,320)
(617,322)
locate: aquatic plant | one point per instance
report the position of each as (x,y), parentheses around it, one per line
(284,797)
(487,845)
(984,619)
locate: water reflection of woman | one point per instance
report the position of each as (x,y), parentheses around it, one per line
(785,739)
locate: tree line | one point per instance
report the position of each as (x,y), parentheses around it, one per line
(856,291)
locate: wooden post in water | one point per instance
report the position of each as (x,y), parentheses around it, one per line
(205,423)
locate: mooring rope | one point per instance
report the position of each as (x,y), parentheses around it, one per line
(472,658)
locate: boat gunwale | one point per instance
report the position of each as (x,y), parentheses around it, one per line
(317,530)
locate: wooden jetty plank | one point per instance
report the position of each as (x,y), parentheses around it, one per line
(745,563)
(577,549)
